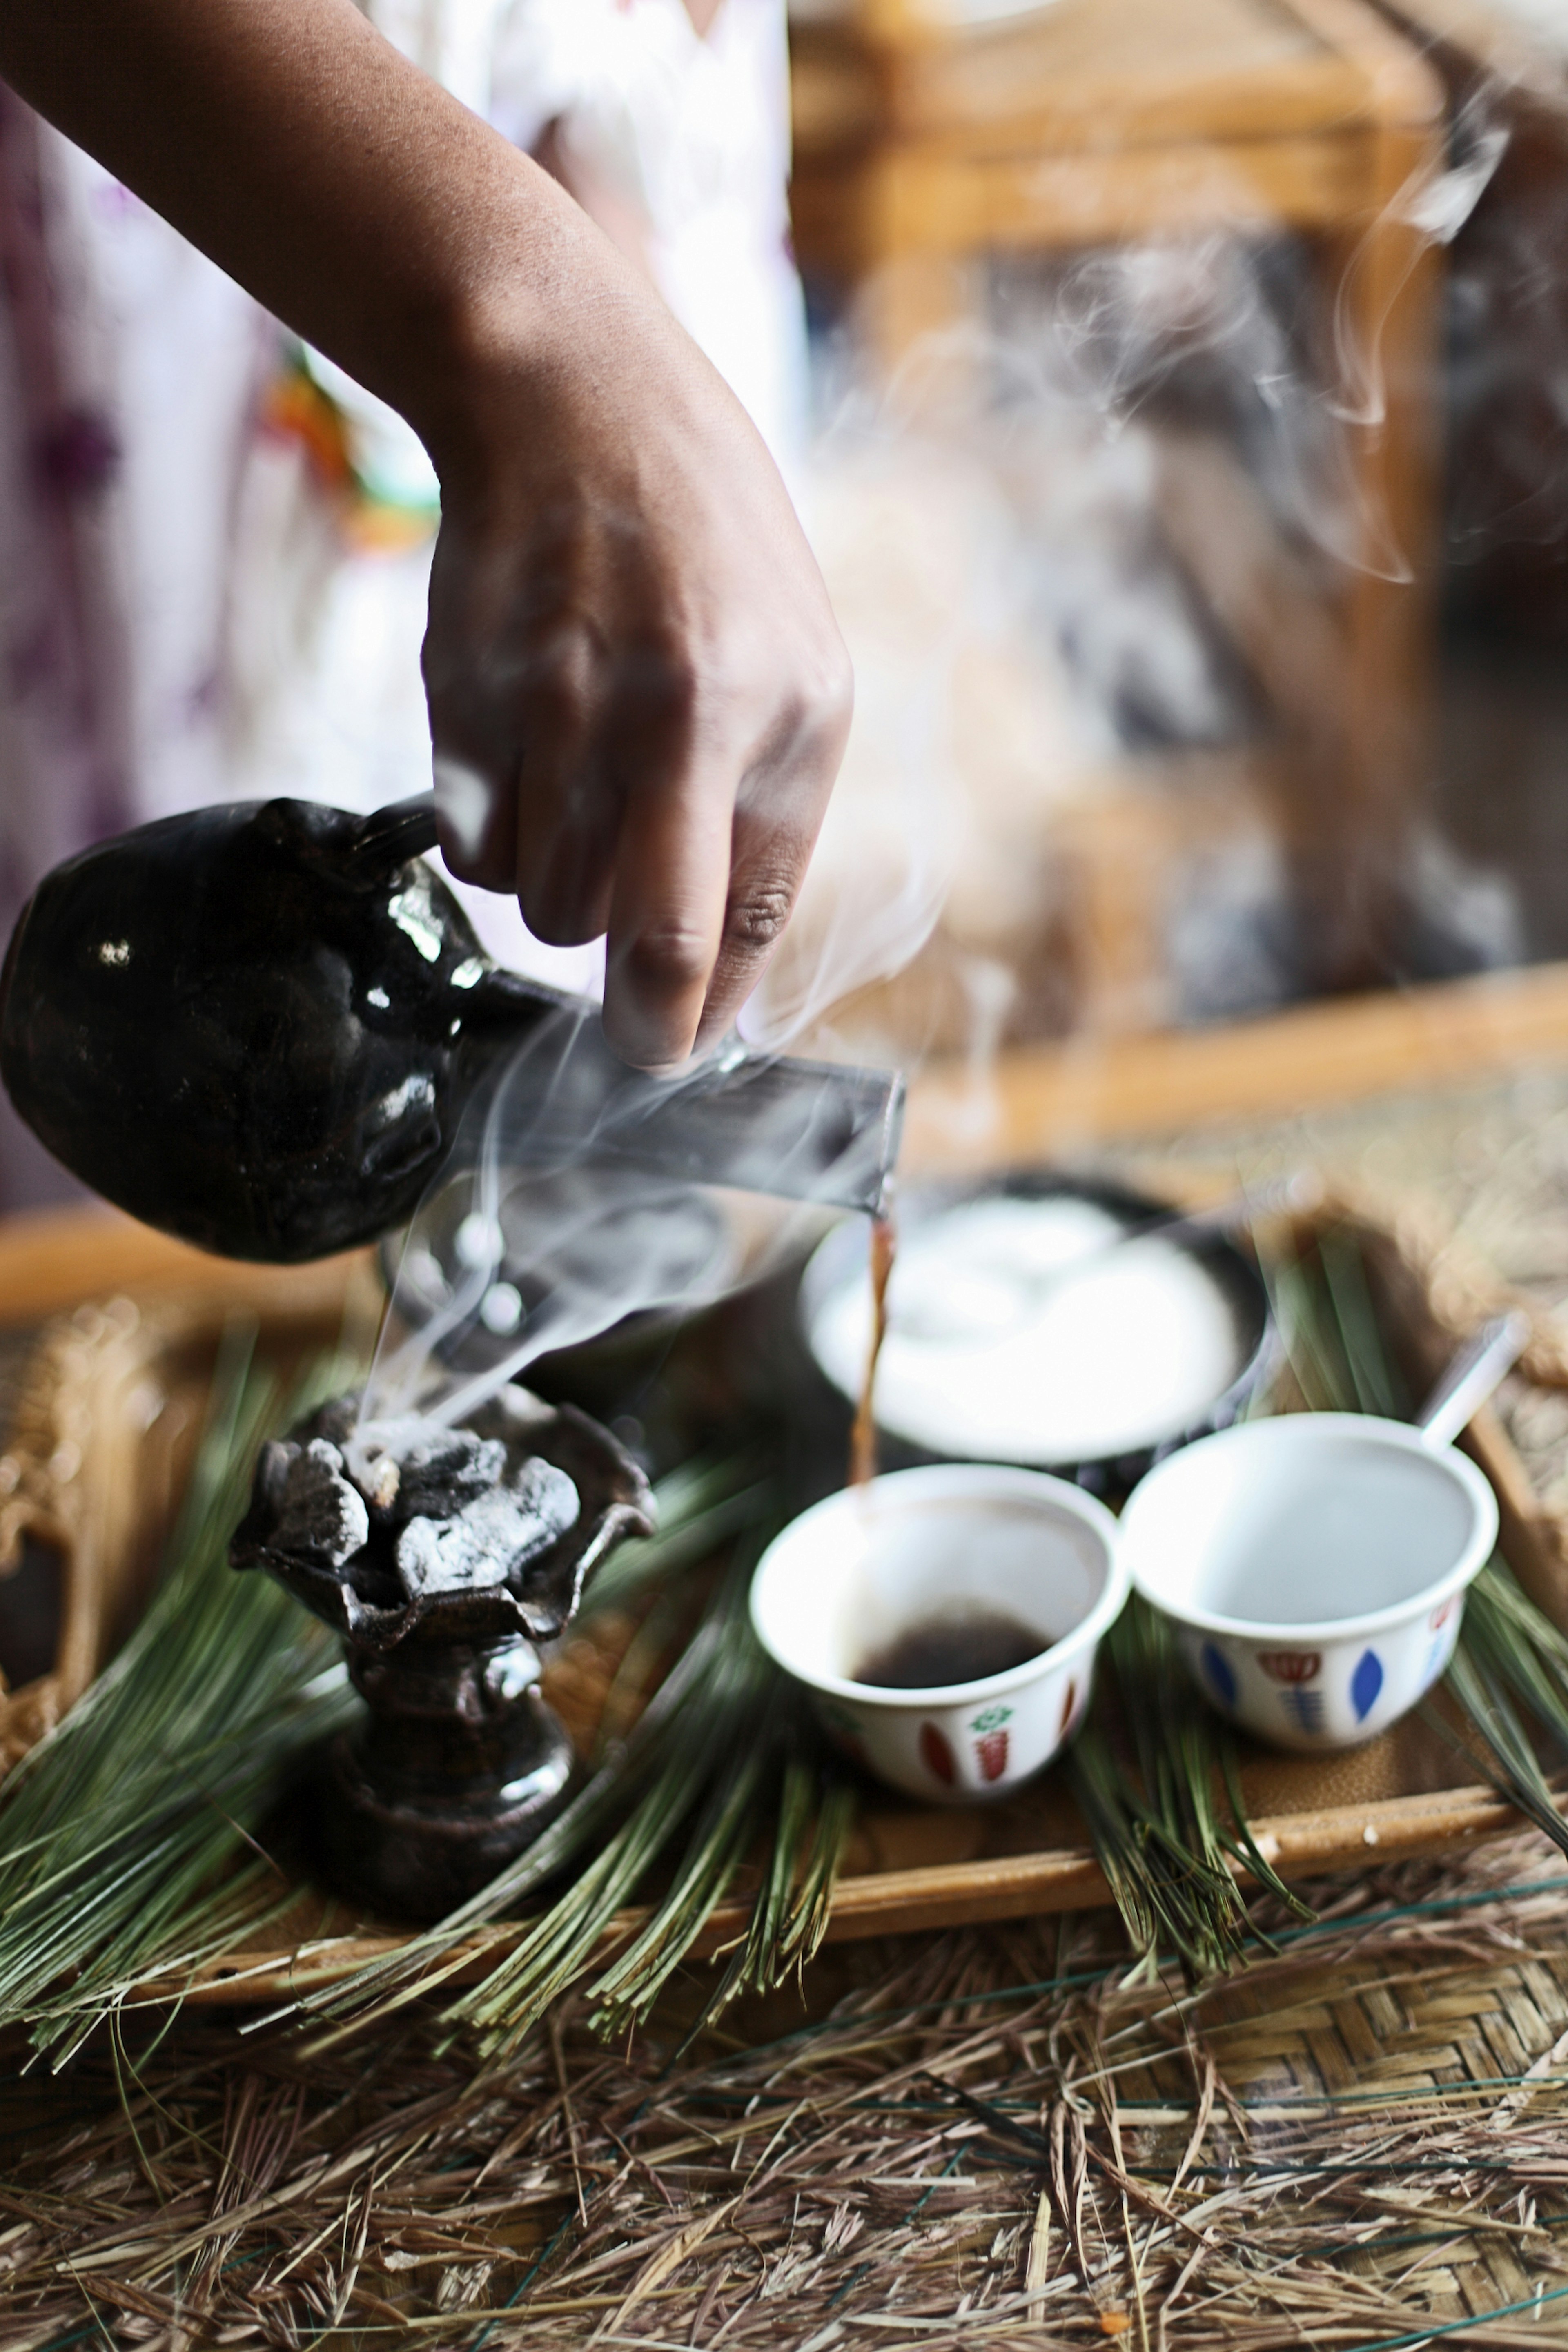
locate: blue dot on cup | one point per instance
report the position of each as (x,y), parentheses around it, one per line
(1365,1684)
(1217,1673)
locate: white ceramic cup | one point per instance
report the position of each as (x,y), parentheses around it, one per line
(1314,1568)
(856,1572)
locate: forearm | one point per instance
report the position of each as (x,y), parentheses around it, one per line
(349,193)
(637,696)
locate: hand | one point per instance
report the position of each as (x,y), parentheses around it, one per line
(638,696)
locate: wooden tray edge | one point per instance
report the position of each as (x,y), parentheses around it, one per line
(899,1902)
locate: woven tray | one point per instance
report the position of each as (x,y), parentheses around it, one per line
(101,1433)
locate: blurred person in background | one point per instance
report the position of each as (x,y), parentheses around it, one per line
(217,535)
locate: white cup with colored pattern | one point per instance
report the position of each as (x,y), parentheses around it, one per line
(938,1554)
(1314,1568)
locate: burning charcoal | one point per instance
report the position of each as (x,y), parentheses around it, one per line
(381,1483)
(412,1468)
(447,1469)
(492,1538)
(549,1494)
(323,1517)
(270,1484)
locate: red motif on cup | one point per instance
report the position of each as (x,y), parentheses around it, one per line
(937,1755)
(1290,1665)
(991,1755)
(1443,1611)
(1068,1703)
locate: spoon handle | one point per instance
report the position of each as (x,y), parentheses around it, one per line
(1471,1378)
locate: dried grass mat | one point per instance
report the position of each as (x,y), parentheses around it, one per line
(978,2137)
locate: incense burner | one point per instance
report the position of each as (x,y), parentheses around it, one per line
(444,1556)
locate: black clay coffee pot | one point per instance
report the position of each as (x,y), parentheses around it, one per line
(259,1026)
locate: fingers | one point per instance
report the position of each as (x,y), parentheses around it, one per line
(564,792)
(762,899)
(667,914)
(707,879)
(777,818)
(632,756)
(625,821)
(521,685)
(693,888)
(522,800)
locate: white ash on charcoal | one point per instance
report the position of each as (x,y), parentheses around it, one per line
(320,1516)
(491,1537)
(409,1468)
(405,1509)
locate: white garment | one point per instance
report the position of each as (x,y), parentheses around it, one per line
(451,40)
(691,133)
(187,352)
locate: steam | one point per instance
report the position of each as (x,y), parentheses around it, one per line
(535,1256)
(1509,353)
(883,867)
(994,530)
(1434,204)
(556,1220)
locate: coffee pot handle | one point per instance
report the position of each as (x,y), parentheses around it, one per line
(391,835)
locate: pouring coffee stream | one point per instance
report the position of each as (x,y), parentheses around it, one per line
(258,1027)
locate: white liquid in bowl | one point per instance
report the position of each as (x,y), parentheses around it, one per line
(1014,1333)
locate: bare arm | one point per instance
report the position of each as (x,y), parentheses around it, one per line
(637,693)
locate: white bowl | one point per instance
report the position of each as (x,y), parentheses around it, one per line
(1030,1321)
(1314,1568)
(868,1565)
